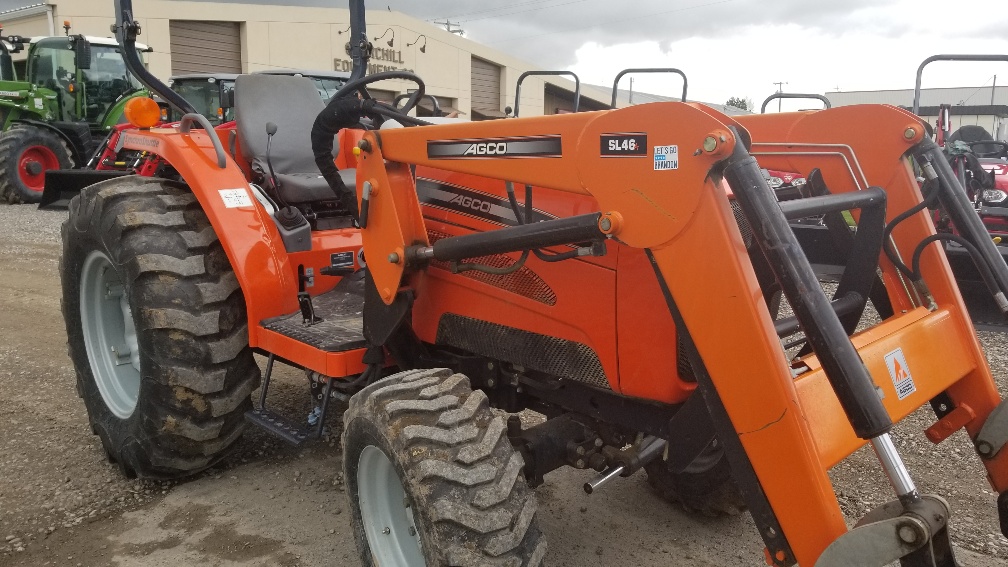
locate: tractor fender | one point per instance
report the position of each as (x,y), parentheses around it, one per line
(247,233)
(114,114)
(75,150)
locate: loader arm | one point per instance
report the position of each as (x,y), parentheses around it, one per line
(656,172)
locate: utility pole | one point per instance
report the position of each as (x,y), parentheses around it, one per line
(779,85)
(993,88)
(451,27)
(630,101)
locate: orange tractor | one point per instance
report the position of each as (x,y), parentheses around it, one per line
(635,305)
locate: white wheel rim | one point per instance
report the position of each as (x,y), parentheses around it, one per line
(110,338)
(388,522)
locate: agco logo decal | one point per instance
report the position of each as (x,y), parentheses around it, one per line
(486,149)
(471,203)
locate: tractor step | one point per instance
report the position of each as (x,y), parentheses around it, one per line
(278,426)
(336,323)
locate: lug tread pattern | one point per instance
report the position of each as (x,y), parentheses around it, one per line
(190,319)
(437,404)
(459,473)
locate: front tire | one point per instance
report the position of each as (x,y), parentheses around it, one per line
(26,153)
(156,327)
(433,479)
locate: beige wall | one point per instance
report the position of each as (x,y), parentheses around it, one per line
(276,37)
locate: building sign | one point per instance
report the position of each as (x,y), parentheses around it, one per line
(381,60)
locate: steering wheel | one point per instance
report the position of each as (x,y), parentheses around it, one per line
(360,85)
(1001,152)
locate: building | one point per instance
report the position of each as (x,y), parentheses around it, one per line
(984,106)
(230,37)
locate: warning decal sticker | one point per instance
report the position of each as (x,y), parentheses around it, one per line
(900,373)
(234,198)
(666,157)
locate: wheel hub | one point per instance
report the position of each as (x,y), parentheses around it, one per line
(33,164)
(110,338)
(386,512)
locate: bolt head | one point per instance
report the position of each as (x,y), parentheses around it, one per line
(984,448)
(605,223)
(907,534)
(393,258)
(909,133)
(710,144)
(386,531)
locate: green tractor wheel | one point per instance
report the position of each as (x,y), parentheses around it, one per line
(26,153)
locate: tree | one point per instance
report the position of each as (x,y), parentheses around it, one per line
(739,102)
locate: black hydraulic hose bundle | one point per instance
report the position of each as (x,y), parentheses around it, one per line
(940,176)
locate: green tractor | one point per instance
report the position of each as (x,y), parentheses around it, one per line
(75,90)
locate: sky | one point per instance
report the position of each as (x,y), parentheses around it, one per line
(730,48)
(740,48)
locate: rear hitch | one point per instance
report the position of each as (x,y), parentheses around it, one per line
(631,461)
(915,532)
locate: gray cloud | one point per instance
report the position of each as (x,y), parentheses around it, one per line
(547,32)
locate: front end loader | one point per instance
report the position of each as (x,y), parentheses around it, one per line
(440,303)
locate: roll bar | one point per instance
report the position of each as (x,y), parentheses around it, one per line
(577,86)
(126,30)
(776,96)
(615,85)
(946,57)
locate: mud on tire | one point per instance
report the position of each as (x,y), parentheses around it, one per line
(168,397)
(13,144)
(461,477)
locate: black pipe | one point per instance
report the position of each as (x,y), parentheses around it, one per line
(811,206)
(847,304)
(127,30)
(844,368)
(957,204)
(512,239)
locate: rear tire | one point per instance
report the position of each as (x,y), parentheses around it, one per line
(26,153)
(156,326)
(705,487)
(432,478)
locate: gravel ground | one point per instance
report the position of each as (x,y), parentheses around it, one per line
(61,503)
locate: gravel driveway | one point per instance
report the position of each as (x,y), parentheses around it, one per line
(61,503)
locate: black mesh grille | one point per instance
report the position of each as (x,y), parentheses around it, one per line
(551,355)
(743,224)
(522,281)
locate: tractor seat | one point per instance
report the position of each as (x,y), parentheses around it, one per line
(292,103)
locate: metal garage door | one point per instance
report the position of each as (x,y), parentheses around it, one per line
(486,90)
(205,47)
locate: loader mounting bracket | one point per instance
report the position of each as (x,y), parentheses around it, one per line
(915,533)
(994,434)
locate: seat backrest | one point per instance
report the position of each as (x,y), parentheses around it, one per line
(292,103)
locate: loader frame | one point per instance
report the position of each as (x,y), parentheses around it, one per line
(784,421)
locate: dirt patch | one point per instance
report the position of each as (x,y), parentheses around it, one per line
(62,503)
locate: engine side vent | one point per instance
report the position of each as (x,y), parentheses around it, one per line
(523,281)
(551,355)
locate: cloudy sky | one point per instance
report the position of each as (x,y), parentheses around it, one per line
(740,47)
(731,47)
